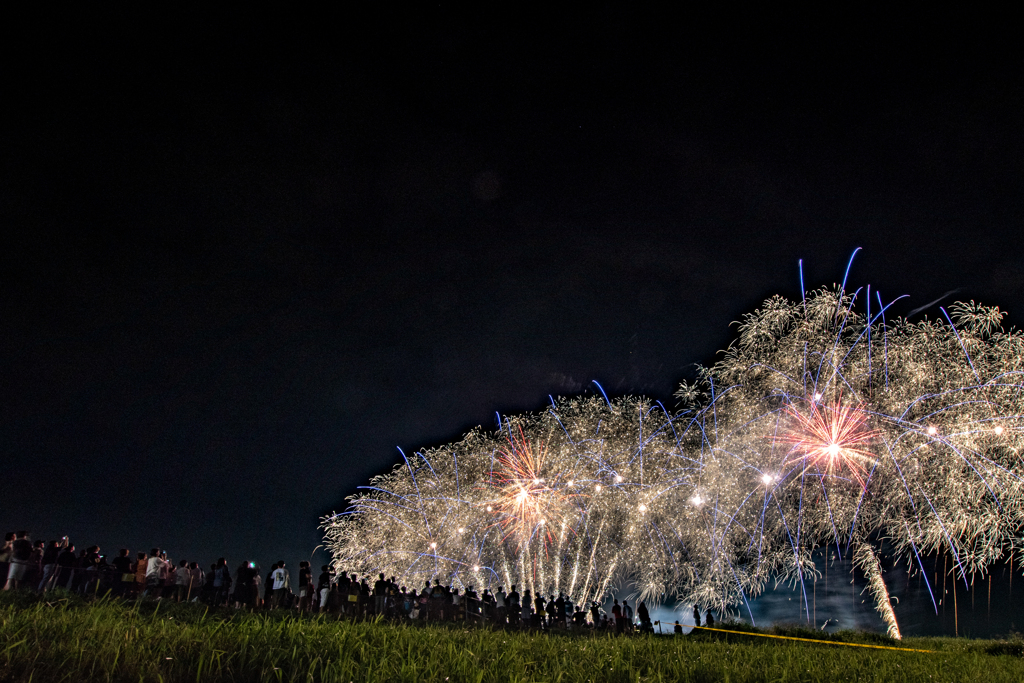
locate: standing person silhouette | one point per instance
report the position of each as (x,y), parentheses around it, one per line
(551,609)
(514,607)
(323,587)
(696,616)
(50,556)
(643,615)
(281,583)
(380,591)
(18,562)
(305,587)
(539,610)
(156,572)
(617,613)
(500,606)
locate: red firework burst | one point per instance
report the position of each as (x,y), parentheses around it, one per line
(831,438)
(525,501)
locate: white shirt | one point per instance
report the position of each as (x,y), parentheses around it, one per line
(155,568)
(280,577)
(182,576)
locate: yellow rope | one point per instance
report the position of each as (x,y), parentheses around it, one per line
(812,640)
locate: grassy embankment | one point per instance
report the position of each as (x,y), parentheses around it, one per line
(71,640)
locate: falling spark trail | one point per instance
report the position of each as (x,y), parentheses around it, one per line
(865,557)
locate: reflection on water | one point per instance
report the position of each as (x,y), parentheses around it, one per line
(980,607)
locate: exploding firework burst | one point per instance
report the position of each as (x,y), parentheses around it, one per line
(526,504)
(832,439)
(822,424)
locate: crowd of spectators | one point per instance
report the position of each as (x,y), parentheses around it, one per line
(58,565)
(347,595)
(43,566)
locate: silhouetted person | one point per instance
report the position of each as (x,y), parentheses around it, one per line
(90,569)
(182,580)
(323,586)
(365,596)
(437,600)
(122,565)
(209,592)
(221,582)
(156,571)
(696,616)
(244,576)
(500,606)
(35,565)
(18,569)
(472,603)
(423,602)
(197,577)
(140,574)
(380,589)
(280,580)
(526,612)
(50,556)
(305,586)
(514,607)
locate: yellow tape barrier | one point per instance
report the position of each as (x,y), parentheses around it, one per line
(812,640)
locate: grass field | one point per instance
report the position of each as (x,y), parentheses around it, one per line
(67,639)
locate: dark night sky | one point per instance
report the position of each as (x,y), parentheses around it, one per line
(243,260)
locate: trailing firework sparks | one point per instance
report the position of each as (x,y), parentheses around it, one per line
(739,484)
(866,560)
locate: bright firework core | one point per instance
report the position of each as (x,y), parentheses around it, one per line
(523,501)
(832,439)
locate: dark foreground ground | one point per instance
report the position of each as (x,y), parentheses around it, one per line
(67,639)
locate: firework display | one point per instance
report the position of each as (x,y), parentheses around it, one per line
(821,425)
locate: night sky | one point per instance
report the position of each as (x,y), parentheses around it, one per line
(243,259)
